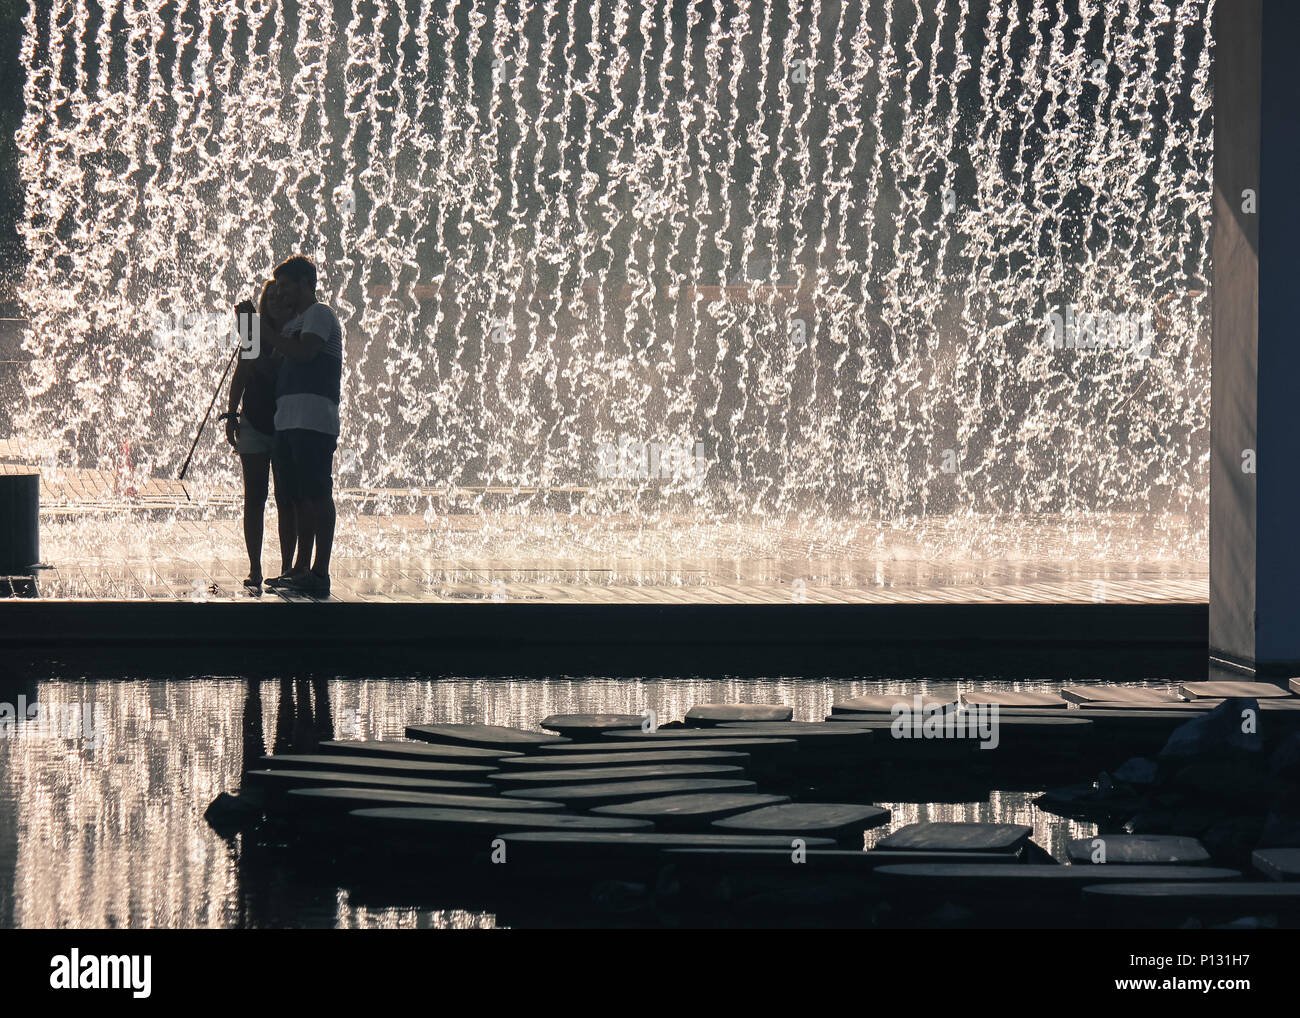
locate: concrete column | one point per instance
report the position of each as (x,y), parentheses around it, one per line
(1255,386)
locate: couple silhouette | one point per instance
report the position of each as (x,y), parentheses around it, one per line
(282,418)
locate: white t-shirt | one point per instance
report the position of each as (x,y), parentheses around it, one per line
(319,320)
(307,393)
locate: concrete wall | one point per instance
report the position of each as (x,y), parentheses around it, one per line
(1277,570)
(1233,377)
(1254,545)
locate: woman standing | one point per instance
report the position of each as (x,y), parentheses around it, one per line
(250,427)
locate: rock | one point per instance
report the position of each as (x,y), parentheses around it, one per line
(1233,839)
(229,813)
(1235,780)
(1216,731)
(950,914)
(1136,771)
(1181,819)
(1085,802)
(1285,762)
(619,895)
(1248,923)
(1281,830)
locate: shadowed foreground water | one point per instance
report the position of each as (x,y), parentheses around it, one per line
(109,831)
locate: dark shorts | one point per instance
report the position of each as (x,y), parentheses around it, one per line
(303,463)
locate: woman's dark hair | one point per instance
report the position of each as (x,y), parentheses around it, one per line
(299,268)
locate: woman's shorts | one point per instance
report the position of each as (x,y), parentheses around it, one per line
(303,462)
(251,442)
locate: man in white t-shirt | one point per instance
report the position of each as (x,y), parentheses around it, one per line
(307,395)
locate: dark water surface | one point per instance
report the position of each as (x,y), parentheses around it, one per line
(109,831)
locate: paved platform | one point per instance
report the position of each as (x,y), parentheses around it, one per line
(467,569)
(160,547)
(204,560)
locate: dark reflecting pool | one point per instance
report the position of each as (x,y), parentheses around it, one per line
(103,793)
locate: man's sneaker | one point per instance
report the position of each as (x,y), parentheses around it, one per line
(279,582)
(311,584)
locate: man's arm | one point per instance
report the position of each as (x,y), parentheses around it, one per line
(303,347)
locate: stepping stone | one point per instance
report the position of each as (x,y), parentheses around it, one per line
(885,745)
(1130,732)
(884,857)
(841,821)
(628,759)
(1187,709)
(1041,736)
(1135,695)
(590,796)
(1137,850)
(884,703)
(972,720)
(761,748)
(956,837)
(417,751)
(1277,863)
(1050,719)
(1278,707)
(1100,710)
(696,810)
(375,765)
(605,775)
(804,732)
(489,736)
(530,846)
(1012,884)
(1227,899)
(344,800)
(281,781)
(1219,690)
(837,859)
(588,727)
(705,715)
(430,826)
(735,744)
(666,734)
(1013,698)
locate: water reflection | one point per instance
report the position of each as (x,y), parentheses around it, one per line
(110,832)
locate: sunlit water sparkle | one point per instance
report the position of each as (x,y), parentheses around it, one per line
(821,239)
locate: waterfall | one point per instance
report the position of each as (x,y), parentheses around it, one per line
(814,260)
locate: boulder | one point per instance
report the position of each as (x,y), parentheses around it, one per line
(1217,731)
(230,813)
(1285,761)
(1135,771)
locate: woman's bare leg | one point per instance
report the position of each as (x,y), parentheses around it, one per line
(257,469)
